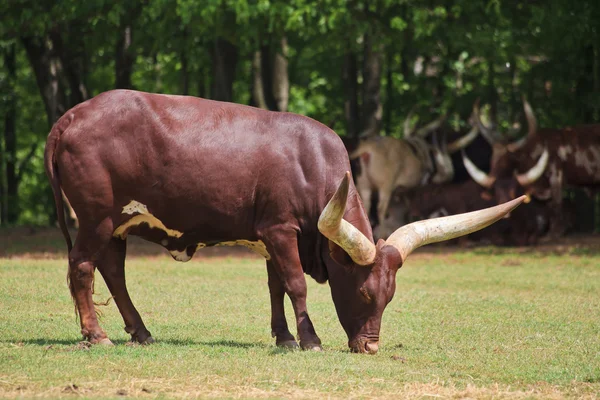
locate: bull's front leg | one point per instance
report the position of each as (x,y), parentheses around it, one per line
(282,245)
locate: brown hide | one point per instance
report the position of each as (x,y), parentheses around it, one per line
(211,172)
(187,173)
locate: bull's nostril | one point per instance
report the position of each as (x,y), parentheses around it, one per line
(372,347)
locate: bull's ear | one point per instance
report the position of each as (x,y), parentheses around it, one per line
(338,254)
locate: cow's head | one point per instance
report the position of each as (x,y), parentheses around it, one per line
(364,279)
(504,182)
(499,141)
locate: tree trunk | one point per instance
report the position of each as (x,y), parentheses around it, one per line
(185,75)
(492,95)
(258,92)
(71,58)
(371,106)
(225,56)
(45,67)
(281,83)
(350,82)
(10,139)
(3,200)
(124,58)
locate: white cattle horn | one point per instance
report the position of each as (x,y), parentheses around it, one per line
(478,175)
(517,144)
(430,127)
(341,232)
(531,120)
(535,172)
(412,236)
(463,141)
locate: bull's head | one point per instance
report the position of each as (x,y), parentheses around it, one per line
(501,183)
(364,280)
(504,181)
(499,141)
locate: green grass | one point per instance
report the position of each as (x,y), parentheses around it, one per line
(479,324)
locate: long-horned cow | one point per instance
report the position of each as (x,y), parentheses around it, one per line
(387,163)
(542,163)
(187,173)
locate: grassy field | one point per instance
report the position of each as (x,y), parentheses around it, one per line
(484,323)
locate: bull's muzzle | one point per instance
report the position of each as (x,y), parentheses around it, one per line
(364,345)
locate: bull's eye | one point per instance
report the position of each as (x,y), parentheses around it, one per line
(366,295)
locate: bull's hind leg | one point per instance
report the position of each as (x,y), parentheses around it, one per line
(112,267)
(282,245)
(279,326)
(90,242)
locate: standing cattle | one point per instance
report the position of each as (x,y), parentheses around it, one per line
(543,163)
(387,163)
(187,173)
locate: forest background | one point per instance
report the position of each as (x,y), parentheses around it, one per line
(357,66)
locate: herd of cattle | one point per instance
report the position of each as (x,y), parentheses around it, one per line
(417,177)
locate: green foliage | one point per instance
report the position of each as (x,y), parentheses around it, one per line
(437,55)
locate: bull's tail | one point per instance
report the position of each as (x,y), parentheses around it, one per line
(54,177)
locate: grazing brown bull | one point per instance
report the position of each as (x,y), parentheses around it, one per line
(543,163)
(187,173)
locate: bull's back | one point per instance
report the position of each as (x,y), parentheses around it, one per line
(198,161)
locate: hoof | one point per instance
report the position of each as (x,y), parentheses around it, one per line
(287,344)
(311,346)
(105,342)
(147,341)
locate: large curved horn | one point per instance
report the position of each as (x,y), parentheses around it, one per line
(344,234)
(478,175)
(531,120)
(535,172)
(412,236)
(463,141)
(487,133)
(430,127)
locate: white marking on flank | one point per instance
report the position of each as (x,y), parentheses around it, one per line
(143,217)
(180,255)
(257,247)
